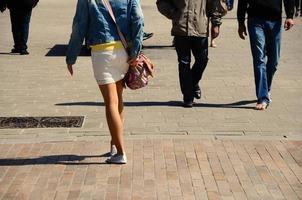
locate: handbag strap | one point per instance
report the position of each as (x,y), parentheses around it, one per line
(122,37)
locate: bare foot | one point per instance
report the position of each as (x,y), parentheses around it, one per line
(261,106)
(213,44)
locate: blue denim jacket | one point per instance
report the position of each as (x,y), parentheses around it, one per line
(93,22)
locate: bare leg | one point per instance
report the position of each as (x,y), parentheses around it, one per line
(112,94)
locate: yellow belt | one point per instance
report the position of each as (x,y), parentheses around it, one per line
(107,46)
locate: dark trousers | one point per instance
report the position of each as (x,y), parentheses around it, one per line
(190,77)
(298,5)
(20,27)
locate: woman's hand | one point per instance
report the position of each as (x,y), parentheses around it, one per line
(133,62)
(69,67)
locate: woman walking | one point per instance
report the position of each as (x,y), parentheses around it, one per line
(110,61)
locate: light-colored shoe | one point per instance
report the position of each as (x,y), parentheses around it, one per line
(117,159)
(113,150)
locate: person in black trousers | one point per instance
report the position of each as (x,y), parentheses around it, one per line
(20,14)
(298,8)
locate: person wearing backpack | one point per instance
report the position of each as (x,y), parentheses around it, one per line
(20,14)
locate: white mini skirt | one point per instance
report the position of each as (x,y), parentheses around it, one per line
(109,62)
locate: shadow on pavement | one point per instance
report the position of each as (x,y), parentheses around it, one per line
(158,47)
(239,104)
(7,53)
(60,50)
(52,160)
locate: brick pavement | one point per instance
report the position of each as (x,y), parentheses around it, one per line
(158,168)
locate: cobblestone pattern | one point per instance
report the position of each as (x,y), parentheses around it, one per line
(157,169)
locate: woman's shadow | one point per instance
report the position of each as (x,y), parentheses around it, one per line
(68,159)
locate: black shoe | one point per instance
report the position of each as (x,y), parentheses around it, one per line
(24,52)
(15,50)
(197,92)
(297,14)
(147,35)
(188,102)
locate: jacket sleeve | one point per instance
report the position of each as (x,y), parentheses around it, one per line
(79,30)
(166,8)
(137,29)
(289,6)
(216,9)
(36,2)
(241,11)
(3,5)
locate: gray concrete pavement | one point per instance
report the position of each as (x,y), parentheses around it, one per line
(39,85)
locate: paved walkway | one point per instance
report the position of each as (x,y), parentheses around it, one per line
(159,168)
(220,149)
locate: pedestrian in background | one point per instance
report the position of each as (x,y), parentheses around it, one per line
(230,4)
(221,5)
(298,6)
(109,58)
(20,14)
(264,27)
(190,31)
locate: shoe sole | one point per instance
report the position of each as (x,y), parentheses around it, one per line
(118,163)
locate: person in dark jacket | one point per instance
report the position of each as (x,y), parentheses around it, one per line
(20,14)
(264,27)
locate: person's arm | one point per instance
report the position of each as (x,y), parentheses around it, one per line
(241,12)
(79,29)
(289,6)
(215,9)
(166,8)
(35,4)
(137,29)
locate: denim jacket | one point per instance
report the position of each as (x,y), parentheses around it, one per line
(93,22)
